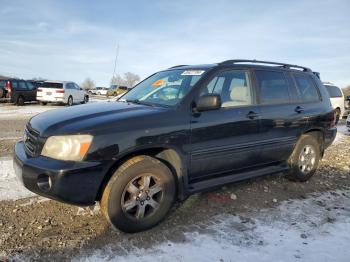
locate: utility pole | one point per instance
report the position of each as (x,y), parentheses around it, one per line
(116,59)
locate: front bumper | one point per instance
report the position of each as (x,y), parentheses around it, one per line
(71,182)
(330,135)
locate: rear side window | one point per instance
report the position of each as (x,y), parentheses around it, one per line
(22,85)
(333,91)
(52,85)
(273,86)
(307,88)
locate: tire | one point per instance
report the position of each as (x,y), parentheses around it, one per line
(305,158)
(99,93)
(123,200)
(86,99)
(43,103)
(20,101)
(70,101)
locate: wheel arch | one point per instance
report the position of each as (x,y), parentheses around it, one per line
(168,156)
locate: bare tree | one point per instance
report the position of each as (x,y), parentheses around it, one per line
(131,79)
(346,91)
(88,84)
(117,80)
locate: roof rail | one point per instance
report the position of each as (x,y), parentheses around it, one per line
(176,66)
(235,61)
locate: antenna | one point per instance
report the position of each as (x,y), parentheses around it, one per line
(116,59)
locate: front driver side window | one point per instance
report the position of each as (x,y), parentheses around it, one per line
(233,87)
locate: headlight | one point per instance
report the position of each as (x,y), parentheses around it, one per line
(72,148)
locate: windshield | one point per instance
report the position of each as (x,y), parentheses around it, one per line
(166,88)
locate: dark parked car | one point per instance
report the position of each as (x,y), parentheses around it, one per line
(17,90)
(180,131)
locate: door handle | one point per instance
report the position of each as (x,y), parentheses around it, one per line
(252,115)
(299,109)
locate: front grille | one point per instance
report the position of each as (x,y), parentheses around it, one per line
(32,141)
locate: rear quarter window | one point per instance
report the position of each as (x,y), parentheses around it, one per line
(307,88)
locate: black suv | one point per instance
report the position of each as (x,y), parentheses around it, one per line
(17,91)
(180,131)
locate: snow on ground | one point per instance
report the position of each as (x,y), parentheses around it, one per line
(10,187)
(313,229)
(7,111)
(343,129)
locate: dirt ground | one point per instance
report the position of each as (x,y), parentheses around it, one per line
(43,230)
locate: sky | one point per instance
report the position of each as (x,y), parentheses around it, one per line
(73,40)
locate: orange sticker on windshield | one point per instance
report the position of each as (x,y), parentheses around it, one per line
(158,83)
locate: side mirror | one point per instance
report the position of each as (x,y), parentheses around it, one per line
(80,88)
(208,102)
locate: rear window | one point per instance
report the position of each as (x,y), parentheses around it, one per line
(307,88)
(52,85)
(334,91)
(274,88)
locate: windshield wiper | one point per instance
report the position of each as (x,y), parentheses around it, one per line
(138,102)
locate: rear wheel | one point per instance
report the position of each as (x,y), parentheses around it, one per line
(70,101)
(139,194)
(43,103)
(304,159)
(20,101)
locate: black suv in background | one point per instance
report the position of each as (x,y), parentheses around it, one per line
(17,91)
(180,131)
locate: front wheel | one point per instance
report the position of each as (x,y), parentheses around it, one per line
(139,194)
(305,158)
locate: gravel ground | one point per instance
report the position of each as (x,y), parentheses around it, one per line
(39,229)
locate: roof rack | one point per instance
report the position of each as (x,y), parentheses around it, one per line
(176,66)
(235,61)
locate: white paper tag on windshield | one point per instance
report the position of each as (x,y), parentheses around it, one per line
(192,72)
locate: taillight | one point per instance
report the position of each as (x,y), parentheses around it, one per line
(334,119)
(8,87)
(60,91)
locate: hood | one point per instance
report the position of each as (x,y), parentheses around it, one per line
(87,118)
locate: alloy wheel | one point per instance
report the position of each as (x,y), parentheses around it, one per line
(307,159)
(142,196)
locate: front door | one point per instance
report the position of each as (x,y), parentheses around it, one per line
(224,140)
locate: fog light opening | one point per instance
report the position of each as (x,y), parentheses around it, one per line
(44,182)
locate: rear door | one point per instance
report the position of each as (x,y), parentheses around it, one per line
(282,116)
(224,140)
(22,90)
(31,95)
